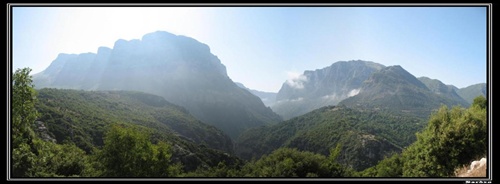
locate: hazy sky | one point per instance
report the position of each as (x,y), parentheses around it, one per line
(262,47)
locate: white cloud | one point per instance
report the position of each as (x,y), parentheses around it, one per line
(336,97)
(353,92)
(296,80)
(330,97)
(288,100)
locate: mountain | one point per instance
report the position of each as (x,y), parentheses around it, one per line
(366,136)
(395,90)
(268,98)
(447,91)
(322,87)
(470,92)
(81,117)
(178,68)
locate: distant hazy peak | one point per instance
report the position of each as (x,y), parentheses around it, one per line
(399,73)
(180,69)
(240,85)
(371,64)
(425,80)
(158,35)
(102,50)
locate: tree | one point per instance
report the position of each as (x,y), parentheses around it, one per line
(451,139)
(23,115)
(128,152)
(23,107)
(221,170)
(331,164)
(290,162)
(390,167)
(32,156)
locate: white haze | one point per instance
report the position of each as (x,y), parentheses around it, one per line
(353,92)
(296,80)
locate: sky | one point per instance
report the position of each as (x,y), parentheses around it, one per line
(262,47)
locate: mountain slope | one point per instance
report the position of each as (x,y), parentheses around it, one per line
(178,68)
(82,117)
(470,92)
(395,90)
(268,98)
(366,136)
(322,87)
(446,91)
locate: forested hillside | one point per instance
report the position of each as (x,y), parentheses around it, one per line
(142,137)
(452,139)
(81,116)
(366,136)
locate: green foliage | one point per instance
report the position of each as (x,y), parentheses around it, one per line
(480,102)
(453,137)
(290,162)
(366,136)
(23,160)
(286,162)
(334,168)
(221,170)
(388,167)
(55,160)
(23,107)
(138,147)
(23,114)
(82,118)
(31,156)
(128,152)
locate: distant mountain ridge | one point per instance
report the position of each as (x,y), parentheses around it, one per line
(394,89)
(470,92)
(444,90)
(365,84)
(322,87)
(178,68)
(268,98)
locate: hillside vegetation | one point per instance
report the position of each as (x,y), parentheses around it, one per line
(452,139)
(141,138)
(366,136)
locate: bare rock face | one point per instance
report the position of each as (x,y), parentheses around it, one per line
(43,131)
(477,168)
(178,68)
(364,85)
(322,87)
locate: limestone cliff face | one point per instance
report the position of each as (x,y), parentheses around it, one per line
(322,87)
(178,68)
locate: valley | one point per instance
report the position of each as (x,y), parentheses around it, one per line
(169,100)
